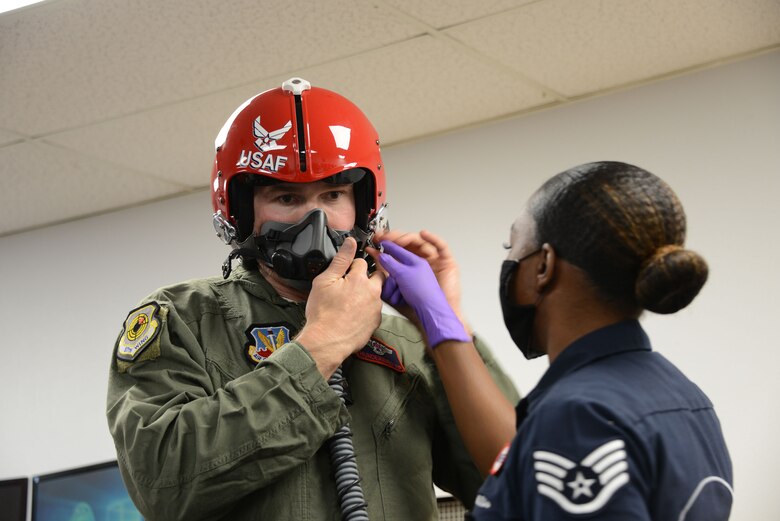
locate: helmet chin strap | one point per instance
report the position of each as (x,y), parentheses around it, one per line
(246,248)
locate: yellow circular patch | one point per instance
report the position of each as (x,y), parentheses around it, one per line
(141,328)
(137,327)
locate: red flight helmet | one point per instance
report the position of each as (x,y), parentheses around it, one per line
(293,134)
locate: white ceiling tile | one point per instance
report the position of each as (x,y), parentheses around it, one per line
(431,77)
(138,90)
(6,137)
(582,46)
(174,143)
(423,86)
(74,62)
(444,13)
(42,184)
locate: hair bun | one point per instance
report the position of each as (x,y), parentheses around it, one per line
(670,279)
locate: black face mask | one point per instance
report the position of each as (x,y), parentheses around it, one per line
(519,320)
(300,251)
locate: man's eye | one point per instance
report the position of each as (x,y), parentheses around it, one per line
(286,198)
(335,194)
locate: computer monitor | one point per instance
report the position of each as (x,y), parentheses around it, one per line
(92,493)
(13,499)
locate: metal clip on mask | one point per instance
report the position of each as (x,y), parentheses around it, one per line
(300,251)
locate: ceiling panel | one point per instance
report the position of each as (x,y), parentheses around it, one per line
(123,99)
(74,62)
(7,137)
(431,75)
(583,46)
(444,13)
(425,85)
(42,184)
(175,143)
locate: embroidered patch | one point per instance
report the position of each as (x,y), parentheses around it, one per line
(140,329)
(377,352)
(264,339)
(585,487)
(500,459)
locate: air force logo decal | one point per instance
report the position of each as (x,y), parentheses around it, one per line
(585,487)
(264,340)
(265,141)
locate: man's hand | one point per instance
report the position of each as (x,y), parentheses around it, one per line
(343,310)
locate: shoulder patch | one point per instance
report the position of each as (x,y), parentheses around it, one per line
(140,329)
(584,487)
(264,339)
(377,352)
(498,464)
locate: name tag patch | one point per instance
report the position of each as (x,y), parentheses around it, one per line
(377,352)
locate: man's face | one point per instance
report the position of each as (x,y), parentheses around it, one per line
(289,202)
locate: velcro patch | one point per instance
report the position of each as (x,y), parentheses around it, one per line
(264,339)
(377,352)
(141,327)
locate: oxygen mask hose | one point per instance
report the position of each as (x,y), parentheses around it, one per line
(342,456)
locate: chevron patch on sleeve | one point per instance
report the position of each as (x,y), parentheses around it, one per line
(584,487)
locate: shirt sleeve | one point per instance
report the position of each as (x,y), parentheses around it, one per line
(188,450)
(570,460)
(454,471)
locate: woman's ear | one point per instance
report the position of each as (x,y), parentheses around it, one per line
(545,271)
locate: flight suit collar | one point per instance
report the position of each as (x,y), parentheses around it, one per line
(611,340)
(254,282)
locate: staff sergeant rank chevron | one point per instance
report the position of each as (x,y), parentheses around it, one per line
(585,487)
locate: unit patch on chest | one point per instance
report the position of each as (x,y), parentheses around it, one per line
(377,352)
(264,339)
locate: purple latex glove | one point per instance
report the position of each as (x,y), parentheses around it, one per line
(411,281)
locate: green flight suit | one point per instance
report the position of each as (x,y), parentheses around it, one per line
(203,434)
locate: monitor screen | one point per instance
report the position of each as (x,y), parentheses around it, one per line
(94,493)
(13,499)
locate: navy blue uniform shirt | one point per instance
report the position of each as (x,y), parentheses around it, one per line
(612,431)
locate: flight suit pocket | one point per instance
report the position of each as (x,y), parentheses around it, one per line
(403,433)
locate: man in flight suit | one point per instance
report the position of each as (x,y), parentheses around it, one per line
(218,399)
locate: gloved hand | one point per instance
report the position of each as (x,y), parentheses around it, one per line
(411,282)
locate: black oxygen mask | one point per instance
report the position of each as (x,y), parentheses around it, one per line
(302,250)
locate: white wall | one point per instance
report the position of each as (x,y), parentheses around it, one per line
(713,135)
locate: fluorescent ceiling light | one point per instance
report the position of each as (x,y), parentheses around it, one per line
(10,5)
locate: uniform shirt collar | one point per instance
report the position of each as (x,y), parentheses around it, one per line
(607,341)
(254,282)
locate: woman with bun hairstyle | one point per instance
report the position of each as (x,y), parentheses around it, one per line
(613,430)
